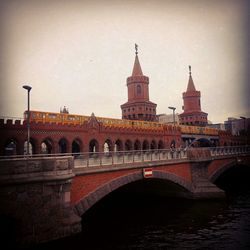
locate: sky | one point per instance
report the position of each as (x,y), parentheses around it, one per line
(79,54)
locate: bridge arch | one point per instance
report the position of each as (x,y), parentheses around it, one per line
(77,145)
(90,199)
(216,174)
(10,147)
(107,146)
(128,145)
(46,146)
(63,145)
(145,145)
(118,145)
(93,146)
(137,145)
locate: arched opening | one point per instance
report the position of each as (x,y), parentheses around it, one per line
(137,145)
(160,145)
(118,146)
(107,147)
(93,146)
(145,145)
(153,145)
(202,142)
(76,146)
(63,144)
(25,148)
(172,144)
(10,147)
(46,146)
(128,145)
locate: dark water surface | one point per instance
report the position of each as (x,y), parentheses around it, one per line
(163,223)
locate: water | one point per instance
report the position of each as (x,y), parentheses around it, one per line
(126,220)
(159,223)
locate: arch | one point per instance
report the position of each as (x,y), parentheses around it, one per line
(31,147)
(153,144)
(172,144)
(160,144)
(89,200)
(145,145)
(76,146)
(10,147)
(107,146)
(128,145)
(46,146)
(93,146)
(137,145)
(221,170)
(138,89)
(118,145)
(63,146)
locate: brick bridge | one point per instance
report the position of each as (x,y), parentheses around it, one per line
(45,197)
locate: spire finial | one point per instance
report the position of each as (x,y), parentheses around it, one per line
(136,49)
(189,70)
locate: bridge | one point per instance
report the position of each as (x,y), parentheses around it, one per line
(44,196)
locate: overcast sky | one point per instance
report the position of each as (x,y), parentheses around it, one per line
(78,54)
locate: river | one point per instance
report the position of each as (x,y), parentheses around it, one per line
(135,221)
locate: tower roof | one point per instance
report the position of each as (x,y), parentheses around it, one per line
(190,86)
(137,67)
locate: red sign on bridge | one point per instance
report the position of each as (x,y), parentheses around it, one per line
(147,172)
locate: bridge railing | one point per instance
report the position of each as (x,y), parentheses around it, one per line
(127,157)
(229,150)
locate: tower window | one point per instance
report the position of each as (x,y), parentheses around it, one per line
(138,89)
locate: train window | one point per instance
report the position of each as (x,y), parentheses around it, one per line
(52,116)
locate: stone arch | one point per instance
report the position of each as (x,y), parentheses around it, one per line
(89,200)
(172,144)
(118,145)
(46,146)
(145,145)
(160,144)
(107,146)
(10,147)
(63,145)
(214,176)
(137,145)
(32,148)
(93,146)
(153,145)
(128,145)
(77,146)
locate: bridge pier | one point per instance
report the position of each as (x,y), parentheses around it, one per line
(202,187)
(35,198)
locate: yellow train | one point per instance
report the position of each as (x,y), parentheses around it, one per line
(65,118)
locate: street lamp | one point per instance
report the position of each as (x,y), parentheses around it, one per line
(245,132)
(28,88)
(173,108)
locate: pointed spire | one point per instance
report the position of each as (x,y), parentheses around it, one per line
(137,67)
(190,86)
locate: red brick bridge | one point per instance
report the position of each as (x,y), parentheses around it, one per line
(46,196)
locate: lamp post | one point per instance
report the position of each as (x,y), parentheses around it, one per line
(28,88)
(173,108)
(245,132)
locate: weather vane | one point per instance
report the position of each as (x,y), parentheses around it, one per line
(189,69)
(136,49)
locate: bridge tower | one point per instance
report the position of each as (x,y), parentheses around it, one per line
(138,106)
(192,114)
